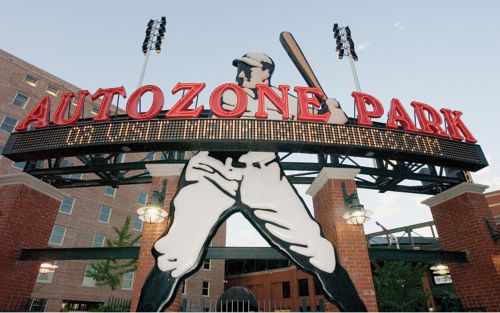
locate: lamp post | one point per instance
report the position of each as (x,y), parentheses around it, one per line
(345,47)
(356,213)
(153,211)
(155,33)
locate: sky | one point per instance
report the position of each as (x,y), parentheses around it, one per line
(443,53)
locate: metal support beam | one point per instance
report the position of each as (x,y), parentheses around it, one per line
(234,253)
(417,255)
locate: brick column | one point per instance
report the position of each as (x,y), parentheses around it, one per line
(459,214)
(151,232)
(349,240)
(28,208)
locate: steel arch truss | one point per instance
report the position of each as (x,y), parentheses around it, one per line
(383,175)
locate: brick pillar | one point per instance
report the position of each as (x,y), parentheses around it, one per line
(349,240)
(459,214)
(28,208)
(151,232)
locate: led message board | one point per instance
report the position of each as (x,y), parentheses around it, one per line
(242,135)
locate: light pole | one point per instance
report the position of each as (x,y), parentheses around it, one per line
(345,47)
(155,33)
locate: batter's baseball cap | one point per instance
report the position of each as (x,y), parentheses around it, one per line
(255,60)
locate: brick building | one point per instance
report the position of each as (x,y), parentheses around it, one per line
(281,289)
(86,216)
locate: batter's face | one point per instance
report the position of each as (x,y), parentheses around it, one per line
(257,76)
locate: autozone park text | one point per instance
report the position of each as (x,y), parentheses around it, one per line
(368,108)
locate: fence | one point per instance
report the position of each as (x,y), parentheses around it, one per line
(466,304)
(117,305)
(303,305)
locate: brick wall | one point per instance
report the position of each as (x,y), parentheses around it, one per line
(26,220)
(461,227)
(150,233)
(349,240)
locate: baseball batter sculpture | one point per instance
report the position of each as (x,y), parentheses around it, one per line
(215,185)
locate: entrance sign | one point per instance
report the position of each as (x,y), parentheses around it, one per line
(237,169)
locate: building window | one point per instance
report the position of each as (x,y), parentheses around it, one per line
(184,286)
(8,124)
(110,191)
(206,264)
(45,278)
(120,158)
(205,289)
(19,165)
(104,214)
(128,280)
(20,100)
(150,156)
(88,281)
(51,90)
(142,198)
(30,80)
(137,224)
(57,236)
(303,288)
(67,163)
(317,287)
(172,155)
(497,219)
(66,206)
(98,241)
(95,109)
(285,286)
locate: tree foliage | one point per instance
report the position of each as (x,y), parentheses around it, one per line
(399,286)
(110,272)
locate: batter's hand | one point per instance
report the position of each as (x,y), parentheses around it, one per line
(224,176)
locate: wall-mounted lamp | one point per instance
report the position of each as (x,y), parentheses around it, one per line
(356,213)
(47,267)
(440,269)
(153,211)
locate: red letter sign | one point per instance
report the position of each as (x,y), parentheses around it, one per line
(40,113)
(431,125)
(107,94)
(63,106)
(305,101)
(398,114)
(155,108)
(180,109)
(455,125)
(266,92)
(241,101)
(365,116)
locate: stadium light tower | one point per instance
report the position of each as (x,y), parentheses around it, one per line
(155,33)
(345,47)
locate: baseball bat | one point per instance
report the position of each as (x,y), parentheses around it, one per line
(298,58)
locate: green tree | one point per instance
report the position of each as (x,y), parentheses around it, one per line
(110,272)
(399,286)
